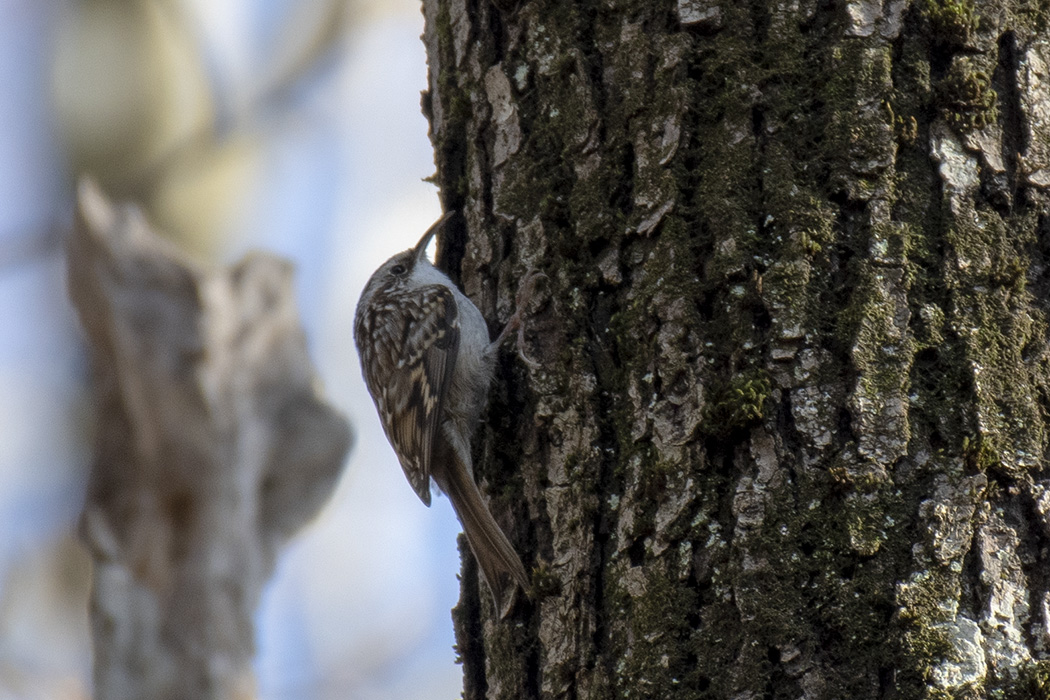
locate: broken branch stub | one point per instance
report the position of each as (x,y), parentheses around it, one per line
(212,449)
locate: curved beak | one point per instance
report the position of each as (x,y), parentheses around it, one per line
(421,247)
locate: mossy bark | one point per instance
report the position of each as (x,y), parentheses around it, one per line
(788,435)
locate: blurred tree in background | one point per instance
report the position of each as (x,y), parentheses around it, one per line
(234,125)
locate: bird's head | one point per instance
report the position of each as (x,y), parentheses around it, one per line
(396,272)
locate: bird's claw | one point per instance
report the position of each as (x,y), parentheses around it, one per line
(521,301)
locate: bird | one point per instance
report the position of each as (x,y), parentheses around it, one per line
(428,364)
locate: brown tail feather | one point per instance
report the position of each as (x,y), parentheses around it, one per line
(494,552)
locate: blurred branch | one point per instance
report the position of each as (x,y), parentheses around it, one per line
(163,114)
(299,61)
(213,448)
(317,56)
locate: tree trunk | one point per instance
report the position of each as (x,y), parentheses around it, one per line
(789,432)
(212,449)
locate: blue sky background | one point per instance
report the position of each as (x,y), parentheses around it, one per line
(359,605)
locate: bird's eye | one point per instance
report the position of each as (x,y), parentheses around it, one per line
(398,269)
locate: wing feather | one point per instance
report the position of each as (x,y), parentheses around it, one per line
(414,338)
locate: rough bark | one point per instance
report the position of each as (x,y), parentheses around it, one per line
(789,433)
(212,448)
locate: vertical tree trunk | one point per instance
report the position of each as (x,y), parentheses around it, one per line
(788,438)
(212,449)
